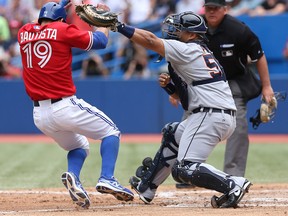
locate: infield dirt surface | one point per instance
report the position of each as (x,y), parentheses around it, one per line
(270,199)
(262,199)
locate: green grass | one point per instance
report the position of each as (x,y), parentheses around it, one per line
(26,166)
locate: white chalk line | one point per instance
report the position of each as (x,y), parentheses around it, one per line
(167,195)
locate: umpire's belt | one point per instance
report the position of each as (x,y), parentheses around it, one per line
(37,104)
(215,110)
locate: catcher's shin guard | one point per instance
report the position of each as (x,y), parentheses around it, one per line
(147,195)
(203,175)
(153,172)
(146,164)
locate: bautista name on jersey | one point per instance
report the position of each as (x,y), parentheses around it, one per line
(48,33)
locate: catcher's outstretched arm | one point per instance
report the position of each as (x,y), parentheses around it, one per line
(142,37)
(148,40)
(100,16)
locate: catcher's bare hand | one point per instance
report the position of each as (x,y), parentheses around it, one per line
(164,79)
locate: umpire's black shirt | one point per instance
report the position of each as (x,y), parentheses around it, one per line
(231,42)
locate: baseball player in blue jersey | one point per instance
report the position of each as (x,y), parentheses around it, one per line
(186,145)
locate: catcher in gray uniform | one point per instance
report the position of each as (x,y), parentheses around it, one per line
(186,145)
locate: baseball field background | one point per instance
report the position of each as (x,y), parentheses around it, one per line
(31,166)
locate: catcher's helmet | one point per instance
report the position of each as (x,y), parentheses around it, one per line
(53,11)
(174,24)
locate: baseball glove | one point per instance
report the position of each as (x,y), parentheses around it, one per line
(267,110)
(95,16)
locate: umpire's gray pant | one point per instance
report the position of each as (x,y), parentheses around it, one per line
(237,144)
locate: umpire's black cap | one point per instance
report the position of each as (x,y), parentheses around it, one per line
(218,3)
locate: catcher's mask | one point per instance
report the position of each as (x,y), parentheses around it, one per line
(174,24)
(53,11)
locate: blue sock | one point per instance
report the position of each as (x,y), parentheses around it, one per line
(76,160)
(109,152)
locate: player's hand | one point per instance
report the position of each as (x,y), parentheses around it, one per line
(173,101)
(164,79)
(267,93)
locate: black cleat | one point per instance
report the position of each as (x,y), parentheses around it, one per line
(231,200)
(134,182)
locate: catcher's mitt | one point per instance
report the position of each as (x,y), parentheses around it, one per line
(95,16)
(267,110)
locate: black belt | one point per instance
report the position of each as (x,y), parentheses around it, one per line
(37,104)
(215,110)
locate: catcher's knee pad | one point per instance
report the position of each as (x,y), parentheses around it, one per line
(201,175)
(175,172)
(153,172)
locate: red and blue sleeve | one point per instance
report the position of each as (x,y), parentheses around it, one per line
(100,40)
(85,39)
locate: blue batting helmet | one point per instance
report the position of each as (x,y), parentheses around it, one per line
(174,24)
(53,11)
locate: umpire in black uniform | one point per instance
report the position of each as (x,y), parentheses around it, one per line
(232,43)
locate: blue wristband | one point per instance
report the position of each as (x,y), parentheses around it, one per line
(126,30)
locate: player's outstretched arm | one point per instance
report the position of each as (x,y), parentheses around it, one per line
(142,37)
(149,40)
(100,16)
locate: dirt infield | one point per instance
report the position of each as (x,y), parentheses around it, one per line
(264,199)
(261,200)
